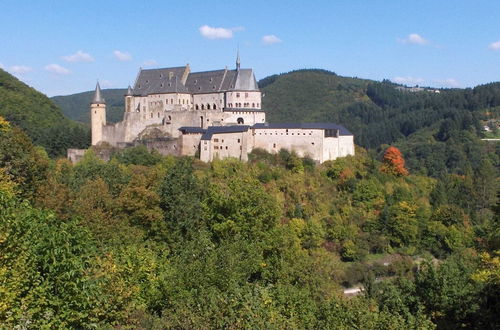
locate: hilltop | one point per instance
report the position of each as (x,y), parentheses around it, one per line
(39,117)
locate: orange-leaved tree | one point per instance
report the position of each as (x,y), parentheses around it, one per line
(393,162)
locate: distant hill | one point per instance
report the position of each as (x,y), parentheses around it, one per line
(427,125)
(76,106)
(39,117)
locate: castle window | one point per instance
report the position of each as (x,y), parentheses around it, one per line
(171,101)
(226,147)
(151,115)
(195,81)
(253,105)
(216,140)
(208,106)
(240,120)
(237,94)
(158,115)
(169,118)
(238,140)
(215,107)
(202,107)
(274,145)
(197,107)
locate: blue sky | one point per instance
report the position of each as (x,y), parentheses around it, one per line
(63,47)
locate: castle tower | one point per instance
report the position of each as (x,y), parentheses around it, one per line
(97,115)
(128,99)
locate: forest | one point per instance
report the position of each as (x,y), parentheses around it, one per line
(154,242)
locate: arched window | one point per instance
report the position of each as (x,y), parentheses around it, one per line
(208,106)
(215,106)
(202,107)
(240,120)
(253,105)
(197,107)
(171,101)
(169,118)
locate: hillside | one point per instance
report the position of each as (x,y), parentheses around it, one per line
(440,131)
(76,106)
(39,117)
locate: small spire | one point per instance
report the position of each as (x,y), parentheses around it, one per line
(238,59)
(129,91)
(97,95)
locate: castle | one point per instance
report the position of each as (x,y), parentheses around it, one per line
(211,114)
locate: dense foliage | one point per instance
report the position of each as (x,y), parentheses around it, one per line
(161,242)
(146,241)
(39,117)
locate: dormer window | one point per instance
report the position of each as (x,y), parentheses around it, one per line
(195,81)
(161,85)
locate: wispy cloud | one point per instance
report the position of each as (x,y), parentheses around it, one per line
(448,82)
(210,32)
(79,56)
(122,56)
(1,66)
(57,69)
(271,39)
(150,62)
(19,69)
(408,80)
(494,45)
(106,83)
(414,38)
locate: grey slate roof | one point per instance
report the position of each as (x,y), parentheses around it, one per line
(97,95)
(169,80)
(155,81)
(223,129)
(342,129)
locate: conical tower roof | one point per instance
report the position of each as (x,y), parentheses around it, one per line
(129,91)
(97,95)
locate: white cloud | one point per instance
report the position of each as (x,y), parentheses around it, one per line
(408,80)
(1,66)
(217,32)
(150,62)
(57,69)
(448,82)
(414,38)
(270,39)
(19,69)
(79,56)
(106,83)
(494,45)
(122,56)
